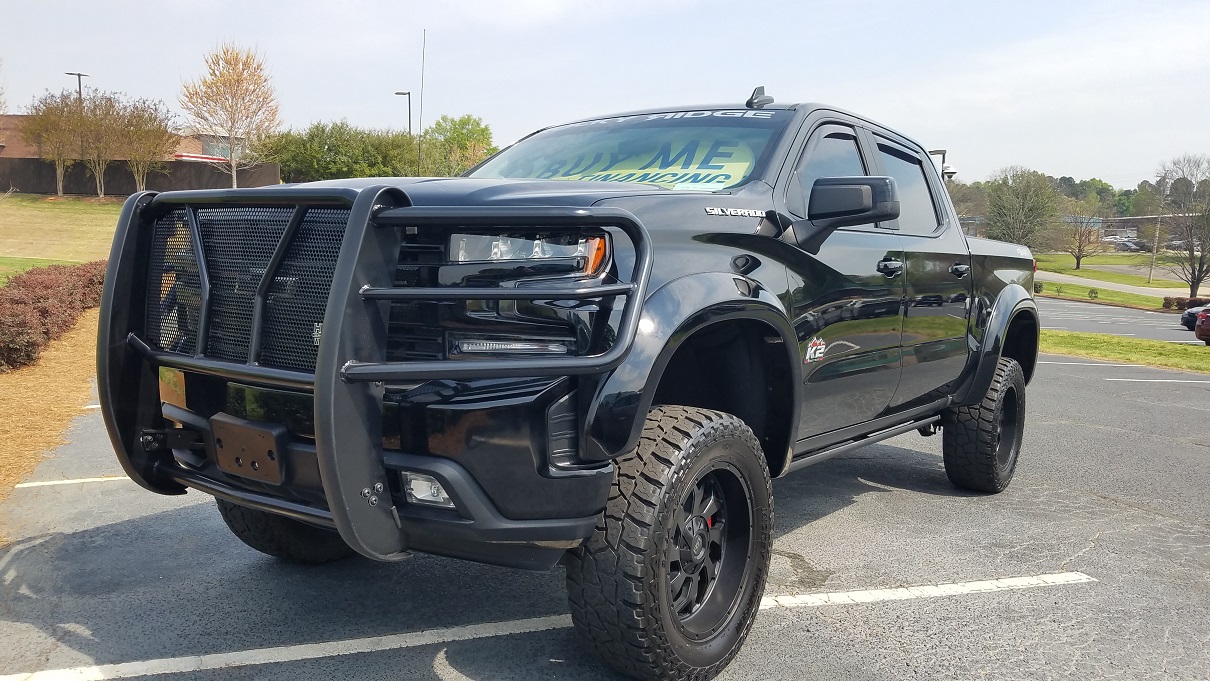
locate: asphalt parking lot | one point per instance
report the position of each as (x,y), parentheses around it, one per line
(1067,315)
(1095,563)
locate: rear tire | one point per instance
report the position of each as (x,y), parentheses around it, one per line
(668,585)
(281,537)
(981,443)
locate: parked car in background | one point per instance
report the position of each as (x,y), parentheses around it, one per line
(1189,317)
(1201,327)
(1126,246)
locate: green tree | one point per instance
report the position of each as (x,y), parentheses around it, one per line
(101,133)
(454,145)
(146,138)
(52,125)
(1021,204)
(326,151)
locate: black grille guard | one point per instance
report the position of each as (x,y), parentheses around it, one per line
(350,365)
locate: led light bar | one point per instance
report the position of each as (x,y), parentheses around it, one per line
(511,347)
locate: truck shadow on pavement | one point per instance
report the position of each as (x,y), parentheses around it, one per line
(176,583)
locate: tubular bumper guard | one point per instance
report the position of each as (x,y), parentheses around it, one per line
(350,365)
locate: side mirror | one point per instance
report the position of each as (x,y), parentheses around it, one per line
(844,202)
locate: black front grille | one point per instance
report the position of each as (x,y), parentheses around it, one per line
(238,244)
(174,292)
(298,295)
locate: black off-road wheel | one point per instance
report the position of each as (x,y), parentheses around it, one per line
(281,537)
(668,585)
(980,443)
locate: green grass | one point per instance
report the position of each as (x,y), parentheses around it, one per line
(11,266)
(1129,350)
(63,229)
(1051,289)
(1063,263)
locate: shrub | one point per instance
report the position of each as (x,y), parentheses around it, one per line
(1093,294)
(1197,302)
(41,304)
(21,337)
(1038,287)
(1059,290)
(1180,303)
(1167,302)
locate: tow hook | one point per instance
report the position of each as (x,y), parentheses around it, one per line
(931,429)
(173,438)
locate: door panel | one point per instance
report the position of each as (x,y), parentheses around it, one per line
(938,280)
(846,301)
(847,317)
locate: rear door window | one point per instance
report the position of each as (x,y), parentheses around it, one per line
(917,212)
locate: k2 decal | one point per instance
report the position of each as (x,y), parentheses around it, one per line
(815,349)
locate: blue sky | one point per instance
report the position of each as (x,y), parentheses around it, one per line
(1107,89)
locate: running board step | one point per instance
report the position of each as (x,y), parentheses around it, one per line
(825,454)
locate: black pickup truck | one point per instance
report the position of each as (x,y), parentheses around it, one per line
(595,349)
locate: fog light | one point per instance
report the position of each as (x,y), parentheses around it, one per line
(424,489)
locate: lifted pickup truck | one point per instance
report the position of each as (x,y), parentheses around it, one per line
(597,348)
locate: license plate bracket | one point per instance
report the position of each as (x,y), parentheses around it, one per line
(249,449)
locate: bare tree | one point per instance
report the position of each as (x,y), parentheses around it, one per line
(3,102)
(1021,203)
(235,103)
(52,125)
(1078,229)
(101,133)
(147,138)
(1187,218)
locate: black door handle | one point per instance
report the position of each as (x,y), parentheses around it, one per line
(890,267)
(959,270)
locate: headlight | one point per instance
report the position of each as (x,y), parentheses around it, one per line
(587,252)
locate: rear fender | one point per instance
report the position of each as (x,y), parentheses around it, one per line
(1013,300)
(670,316)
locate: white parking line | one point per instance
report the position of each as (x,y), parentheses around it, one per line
(311,651)
(306,651)
(1154,380)
(926,591)
(75,481)
(92,406)
(1091,364)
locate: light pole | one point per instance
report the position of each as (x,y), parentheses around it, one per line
(409,96)
(947,171)
(79,83)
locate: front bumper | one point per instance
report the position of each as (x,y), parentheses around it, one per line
(328,474)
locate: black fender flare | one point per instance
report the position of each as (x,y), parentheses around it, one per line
(672,314)
(1013,300)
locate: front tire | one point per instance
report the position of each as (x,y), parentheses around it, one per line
(981,443)
(670,582)
(281,537)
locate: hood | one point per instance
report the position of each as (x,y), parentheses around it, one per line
(468,191)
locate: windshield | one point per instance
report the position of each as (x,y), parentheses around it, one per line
(695,150)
